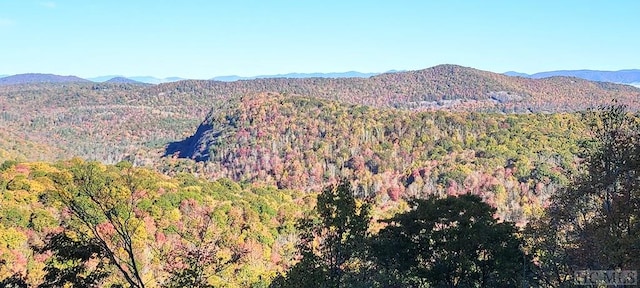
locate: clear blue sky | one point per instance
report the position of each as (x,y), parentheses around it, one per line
(203,39)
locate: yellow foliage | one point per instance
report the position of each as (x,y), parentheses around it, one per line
(36,187)
(195,189)
(43,167)
(173,215)
(11,238)
(167,185)
(35,272)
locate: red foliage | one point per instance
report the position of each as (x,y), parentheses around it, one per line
(394,193)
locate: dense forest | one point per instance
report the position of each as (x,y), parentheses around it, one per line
(515,161)
(57,222)
(443,177)
(87,224)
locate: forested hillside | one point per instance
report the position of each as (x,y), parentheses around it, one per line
(302,143)
(439,131)
(243,235)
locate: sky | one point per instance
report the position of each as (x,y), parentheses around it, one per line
(204,39)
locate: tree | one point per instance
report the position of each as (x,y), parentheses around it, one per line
(598,217)
(67,267)
(15,281)
(551,253)
(198,255)
(450,242)
(102,201)
(332,244)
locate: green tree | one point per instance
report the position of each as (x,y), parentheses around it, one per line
(67,267)
(598,217)
(333,243)
(449,242)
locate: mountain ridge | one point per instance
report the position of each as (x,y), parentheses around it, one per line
(348,74)
(29,78)
(141,79)
(625,76)
(123,80)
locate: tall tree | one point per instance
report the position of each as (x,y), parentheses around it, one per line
(101,201)
(599,215)
(68,266)
(199,255)
(332,243)
(450,242)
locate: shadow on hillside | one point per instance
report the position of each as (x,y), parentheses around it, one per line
(190,147)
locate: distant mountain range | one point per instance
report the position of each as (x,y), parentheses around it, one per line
(350,74)
(50,78)
(631,76)
(30,78)
(140,79)
(123,80)
(39,78)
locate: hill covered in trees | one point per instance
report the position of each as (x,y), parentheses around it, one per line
(85,224)
(441,130)
(518,160)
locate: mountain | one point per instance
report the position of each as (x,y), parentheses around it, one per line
(300,143)
(40,78)
(140,79)
(350,74)
(631,76)
(316,129)
(439,87)
(417,132)
(123,80)
(154,80)
(515,74)
(103,78)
